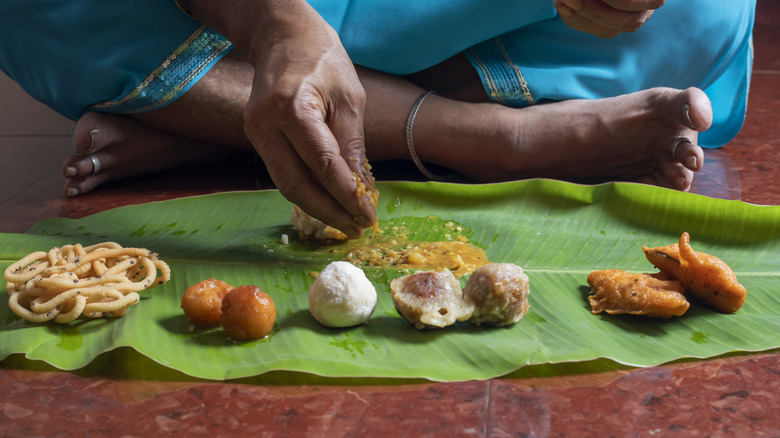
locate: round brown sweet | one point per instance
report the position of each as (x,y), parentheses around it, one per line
(248,313)
(202,302)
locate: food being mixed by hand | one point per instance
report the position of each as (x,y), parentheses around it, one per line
(431,299)
(202,302)
(683,270)
(706,277)
(342,296)
(310,228)
(655,295)
(65,283)
(499,292)
(247,313)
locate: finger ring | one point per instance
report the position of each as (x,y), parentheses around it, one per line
(676,143)
(96,163)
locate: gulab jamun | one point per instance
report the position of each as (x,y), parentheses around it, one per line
(248,313)
(202,302)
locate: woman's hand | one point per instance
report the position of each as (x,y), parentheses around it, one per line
(305,112)
(606,18)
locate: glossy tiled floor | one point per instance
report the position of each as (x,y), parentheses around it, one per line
(735,396)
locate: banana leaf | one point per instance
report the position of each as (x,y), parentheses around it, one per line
(558,232)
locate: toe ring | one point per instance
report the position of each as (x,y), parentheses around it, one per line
(676,143)
(95,163)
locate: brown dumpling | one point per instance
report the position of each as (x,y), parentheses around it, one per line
(431,299)
(499,292)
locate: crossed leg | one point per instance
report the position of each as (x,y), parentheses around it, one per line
(627,137)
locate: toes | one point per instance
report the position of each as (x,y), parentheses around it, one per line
(79,166)
(80,186)
(685,152)
(80,176)
(672,177)
(689,109)
(696,111)
(676,177)
(94,131)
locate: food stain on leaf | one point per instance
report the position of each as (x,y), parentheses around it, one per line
(700,337)
(354,346)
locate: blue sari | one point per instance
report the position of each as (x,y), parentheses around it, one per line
(128,57)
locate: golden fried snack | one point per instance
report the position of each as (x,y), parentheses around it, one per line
(430,300)
(247,313)
(65,283)
(656,295)
(705,276)
(202,302)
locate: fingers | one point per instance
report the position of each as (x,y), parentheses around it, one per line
(297,180)
(635,5)
(312,145)
(335,165)
(602,19)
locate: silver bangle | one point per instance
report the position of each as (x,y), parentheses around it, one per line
(410,143)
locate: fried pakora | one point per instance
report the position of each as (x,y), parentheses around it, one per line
(708,278)
(656,295)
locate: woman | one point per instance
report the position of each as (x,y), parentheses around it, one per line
(521,91)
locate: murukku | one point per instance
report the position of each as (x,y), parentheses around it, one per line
(70,281)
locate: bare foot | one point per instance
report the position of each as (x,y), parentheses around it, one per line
(628,137)
(125,147)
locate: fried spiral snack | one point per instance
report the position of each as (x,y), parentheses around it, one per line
(65,283)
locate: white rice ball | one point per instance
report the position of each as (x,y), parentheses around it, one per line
(342,296)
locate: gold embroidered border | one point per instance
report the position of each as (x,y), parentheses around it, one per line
(518,73)
(156,73)
(489,81)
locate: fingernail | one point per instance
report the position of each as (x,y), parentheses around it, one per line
(692,162)
(70,171)
(95,138)
(681,182)
(363,221)
(71,192)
